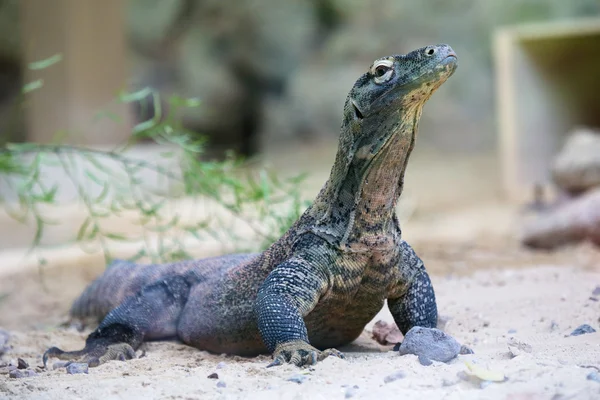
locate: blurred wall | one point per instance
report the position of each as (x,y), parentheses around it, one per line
(269,71)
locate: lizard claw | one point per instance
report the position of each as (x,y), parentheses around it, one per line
(93,354)
(301,354)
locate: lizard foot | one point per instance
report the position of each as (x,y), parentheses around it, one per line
(300,353)
(95,353)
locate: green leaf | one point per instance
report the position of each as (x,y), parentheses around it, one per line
(31,86)
(83,228)
(42,64)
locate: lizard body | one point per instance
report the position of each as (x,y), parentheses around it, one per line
(319,285)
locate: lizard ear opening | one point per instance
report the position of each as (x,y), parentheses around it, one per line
(357,113)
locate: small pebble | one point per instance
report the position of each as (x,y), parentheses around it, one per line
(594,376)
(465,350)
(596,291)
(221,365)
(517,347)
(214,375)
(484,384)
(77,368)
(350,392)
(221,384)
(298,378)
(22,364)
(21,373)
(60,364)
(582,329)
(553,326)
(394,377)
(448,382)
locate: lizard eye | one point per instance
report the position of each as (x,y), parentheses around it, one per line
(382,71)
(429,51)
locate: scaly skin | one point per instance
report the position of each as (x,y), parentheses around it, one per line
(324,280)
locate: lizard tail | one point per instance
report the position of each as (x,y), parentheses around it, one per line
(104,293)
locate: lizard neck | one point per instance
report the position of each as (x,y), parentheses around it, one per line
(355,210)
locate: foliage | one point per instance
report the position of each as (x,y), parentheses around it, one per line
(111,184)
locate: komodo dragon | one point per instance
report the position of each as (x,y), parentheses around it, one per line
(319,285)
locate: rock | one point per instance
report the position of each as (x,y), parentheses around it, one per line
(596,291)
(465,350)
(386,333)
(351,392)
(572,222)
(214,375)
(577,166)
(594,376)
(60,364)
(448,382)
(394,377)
(21,373)
(22,364)
(430,343)
(298,378)
(221,384)
(517,347)
(77,368)
(582,330)
(221,365)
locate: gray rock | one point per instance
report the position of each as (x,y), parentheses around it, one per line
(577,166)
(21,373)
(582,330)
(214,375)
(394,377)
(430,343)
(221,384)
(351,392)
(22,364)
(298,378)
(596,291)
(77,368)
(221,365)
(594,376)
(465,350)
(60,364)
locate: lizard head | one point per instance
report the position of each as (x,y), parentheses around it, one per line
(400,82)
(381,116)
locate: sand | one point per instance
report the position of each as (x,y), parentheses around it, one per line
(536,302)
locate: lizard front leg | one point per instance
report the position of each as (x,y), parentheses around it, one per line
(288,294)
(152,313)
(416,305)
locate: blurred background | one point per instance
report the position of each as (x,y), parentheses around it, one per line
(271,78)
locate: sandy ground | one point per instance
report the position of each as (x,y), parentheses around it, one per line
(489,290)
(537,305)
